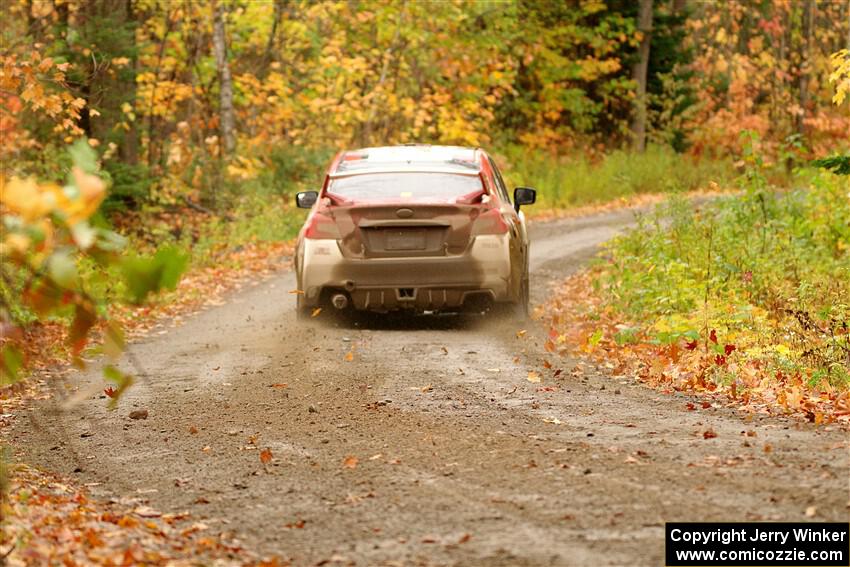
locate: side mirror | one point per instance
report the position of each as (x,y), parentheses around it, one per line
(524,196)
(306,199)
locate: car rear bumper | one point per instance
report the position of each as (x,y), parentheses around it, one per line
(482,273)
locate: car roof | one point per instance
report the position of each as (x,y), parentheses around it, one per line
(408,158)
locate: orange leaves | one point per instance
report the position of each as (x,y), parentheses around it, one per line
(350,462)
(59,520)
(91,191)
(266,456)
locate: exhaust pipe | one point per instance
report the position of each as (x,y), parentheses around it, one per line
(339,301)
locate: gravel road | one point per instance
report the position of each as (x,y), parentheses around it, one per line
(429,447)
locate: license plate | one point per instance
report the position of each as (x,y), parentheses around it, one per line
(405,240)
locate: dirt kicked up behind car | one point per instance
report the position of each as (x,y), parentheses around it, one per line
(419,228)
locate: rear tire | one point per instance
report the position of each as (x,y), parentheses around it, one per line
(518,310)
(302,312)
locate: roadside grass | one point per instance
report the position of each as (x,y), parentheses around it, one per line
(568,181)
(746,295)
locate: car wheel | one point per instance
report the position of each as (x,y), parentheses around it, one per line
(516,311)
(521,306)
(302,312)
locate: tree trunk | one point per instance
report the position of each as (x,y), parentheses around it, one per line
(267,54)
(130,142)
(639,70)
(226,129)
(805,64)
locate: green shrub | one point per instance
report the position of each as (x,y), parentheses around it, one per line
(129,185)
(772,266)
(294,166)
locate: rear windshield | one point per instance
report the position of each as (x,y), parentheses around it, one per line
(407,186)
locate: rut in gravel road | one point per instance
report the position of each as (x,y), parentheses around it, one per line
(459,459)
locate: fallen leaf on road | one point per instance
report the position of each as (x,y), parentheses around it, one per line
(193,430)
(299,525)
(520,334)
(811,511)
(278,385)
(464,538)
(316,312)
(554,420)
(427,388)
(546,364)
(350,462)
(266,456)
(349,356)
(533,376)
(147,512)
(709,434)
(376,457)
(445,350)
(110,391)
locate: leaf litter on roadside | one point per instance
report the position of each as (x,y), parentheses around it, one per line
(48,521)
(581,324)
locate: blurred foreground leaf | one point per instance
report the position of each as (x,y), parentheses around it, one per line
(146,275)
(121,380)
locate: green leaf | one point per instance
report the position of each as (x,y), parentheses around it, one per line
(62,269)
(122,380)
(595,337)
(83,234)
(110,241)
(83,156)
(11,361)
(146,275)
(838,164)
(113,340)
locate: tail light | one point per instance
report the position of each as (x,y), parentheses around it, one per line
(321,226)
(490,222)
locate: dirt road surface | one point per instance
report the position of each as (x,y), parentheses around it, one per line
(431,446)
